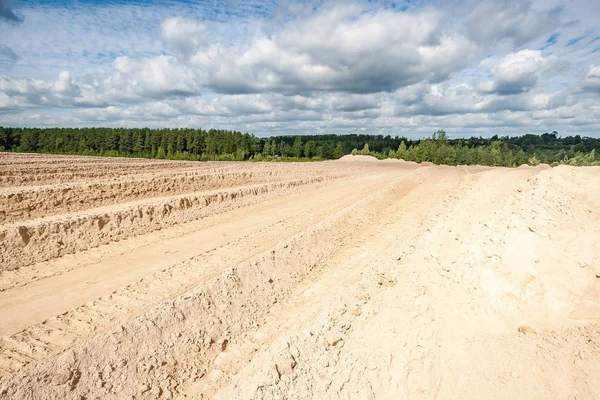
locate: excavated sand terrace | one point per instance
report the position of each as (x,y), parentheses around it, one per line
(354,279)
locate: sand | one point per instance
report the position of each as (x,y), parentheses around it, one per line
(310,280)
(349,158)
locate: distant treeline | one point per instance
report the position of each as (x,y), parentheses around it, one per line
(504,151)
(213,144)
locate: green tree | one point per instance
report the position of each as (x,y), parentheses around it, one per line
(401,153)
(338,152)
(5,140)
(126,142)
(267,148)
(310,149)
(533,160)
(365,151)
(29,140)
(297,149)
(215,144)
(285,149)
(324,151)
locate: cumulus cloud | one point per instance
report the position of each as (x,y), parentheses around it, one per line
(134,80)
(519,72)
(35,93)
(182,36)
(338,50)
(591,79)
(439,99)
(156,77)
(130,81)
(275,105)
(455,97)
(65,85)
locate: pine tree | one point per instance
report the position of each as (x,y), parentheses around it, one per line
(310,149)
(338,152)
(325,151)
(401,153)
(297,147)
(267,149)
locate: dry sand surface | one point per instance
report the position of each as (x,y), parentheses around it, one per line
(356,279)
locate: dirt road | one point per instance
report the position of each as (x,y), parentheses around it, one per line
(348,279)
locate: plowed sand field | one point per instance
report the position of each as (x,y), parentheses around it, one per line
(353,279)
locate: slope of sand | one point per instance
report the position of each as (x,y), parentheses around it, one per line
(376,280)
(352,159)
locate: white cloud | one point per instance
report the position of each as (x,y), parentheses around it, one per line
(35,93)
(591,79)
(492,21)
(519,72)
(472,67)
(341,49)
(138,80)
(182,36)
(156,77)
(65,85)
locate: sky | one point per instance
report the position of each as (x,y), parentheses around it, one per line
(273,67)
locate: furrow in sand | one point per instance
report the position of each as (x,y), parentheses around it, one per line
(93,273)
(254,276)
(56,169)
(28,242)
(148,290)
(18,204)
(27,178)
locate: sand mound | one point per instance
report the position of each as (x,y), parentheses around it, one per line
(393,160)
(351,158)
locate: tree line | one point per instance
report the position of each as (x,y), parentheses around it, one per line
(225,145)
(505,152)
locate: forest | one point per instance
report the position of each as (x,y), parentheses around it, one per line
(224,145)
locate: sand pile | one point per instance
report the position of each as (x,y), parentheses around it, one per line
(349,158)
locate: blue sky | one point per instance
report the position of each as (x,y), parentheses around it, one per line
(273,67)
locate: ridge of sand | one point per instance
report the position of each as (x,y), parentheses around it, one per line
(349,158)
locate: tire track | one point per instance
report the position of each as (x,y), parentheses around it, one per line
(17,204)
(25,243)
(136,297)
(302,340)
(56,334)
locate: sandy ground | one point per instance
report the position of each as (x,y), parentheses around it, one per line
(362,279)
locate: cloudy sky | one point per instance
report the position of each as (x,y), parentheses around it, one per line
(274,67)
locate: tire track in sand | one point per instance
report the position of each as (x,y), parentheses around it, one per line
(55,334)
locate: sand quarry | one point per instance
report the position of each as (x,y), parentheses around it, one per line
(353,279)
